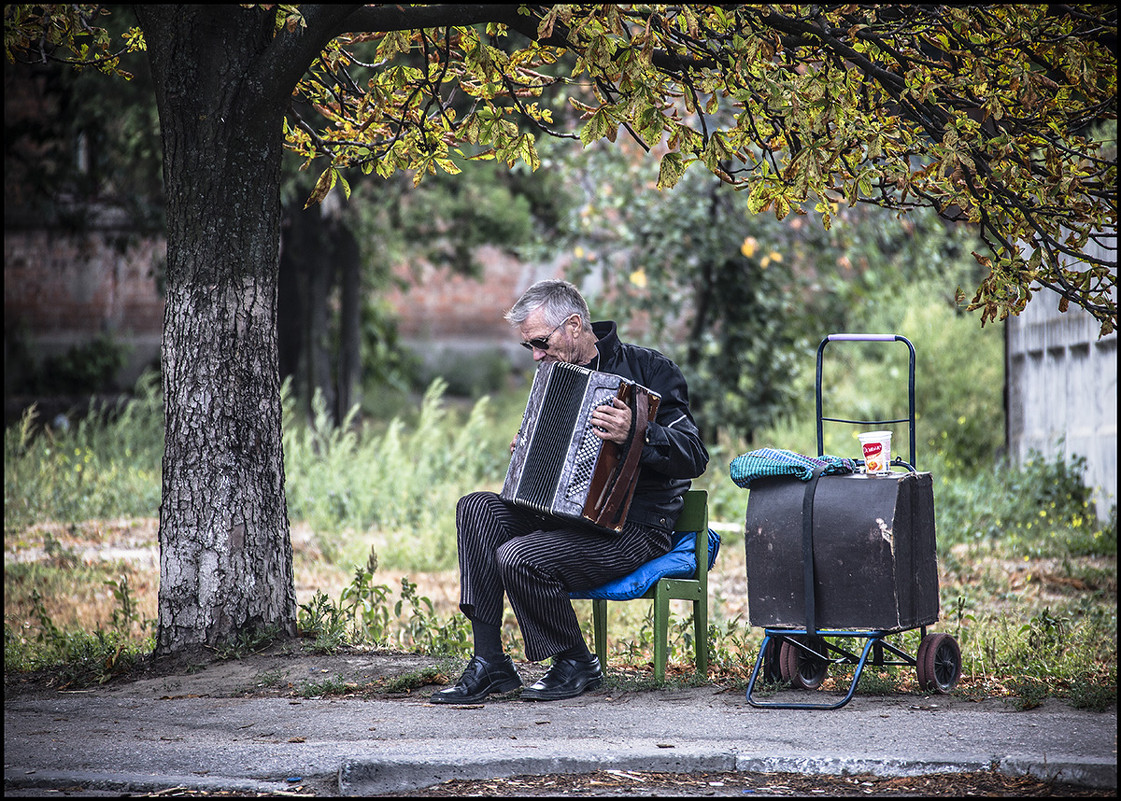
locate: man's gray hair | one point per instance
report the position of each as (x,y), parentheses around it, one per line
(560,300)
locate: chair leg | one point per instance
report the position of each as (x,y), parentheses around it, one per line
(700,634)
(599,629)
(661,632)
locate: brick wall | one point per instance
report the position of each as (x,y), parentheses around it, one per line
(440,306)
(63,289)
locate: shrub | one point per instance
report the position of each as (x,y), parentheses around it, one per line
(1042,508)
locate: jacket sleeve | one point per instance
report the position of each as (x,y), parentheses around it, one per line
(673,443)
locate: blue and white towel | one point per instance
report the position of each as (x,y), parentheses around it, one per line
(768,462)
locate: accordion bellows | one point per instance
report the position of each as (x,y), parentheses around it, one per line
(559,466)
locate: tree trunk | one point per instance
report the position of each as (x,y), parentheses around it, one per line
(321,280)
(225,551)
(306,281)
(348,258)
(290,298)
(320,268)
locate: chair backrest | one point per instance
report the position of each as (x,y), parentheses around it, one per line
(694,517)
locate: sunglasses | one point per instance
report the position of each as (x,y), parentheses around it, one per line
(542,343)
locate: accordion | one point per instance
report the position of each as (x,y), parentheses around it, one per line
(559,466)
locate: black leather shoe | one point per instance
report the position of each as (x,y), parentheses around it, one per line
(567,678)
(480,679)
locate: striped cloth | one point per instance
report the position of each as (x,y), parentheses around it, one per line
(768,462)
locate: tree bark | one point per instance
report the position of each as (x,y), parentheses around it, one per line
(225,551)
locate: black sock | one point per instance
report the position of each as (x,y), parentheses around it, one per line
(488,640)
(578,653)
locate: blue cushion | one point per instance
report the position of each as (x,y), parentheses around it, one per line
(681,562)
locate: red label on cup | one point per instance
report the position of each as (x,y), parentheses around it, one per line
(872,449)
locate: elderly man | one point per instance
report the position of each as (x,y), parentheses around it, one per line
(536,560)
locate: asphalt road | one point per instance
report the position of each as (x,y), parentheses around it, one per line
(142,739)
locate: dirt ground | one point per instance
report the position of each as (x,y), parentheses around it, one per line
(635,784)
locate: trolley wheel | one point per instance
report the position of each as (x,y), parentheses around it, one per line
(938,663)
(804,671)
(772,668)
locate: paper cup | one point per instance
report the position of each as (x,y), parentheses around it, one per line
(877,452)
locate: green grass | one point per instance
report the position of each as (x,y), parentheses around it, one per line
(107,465)
(396,481)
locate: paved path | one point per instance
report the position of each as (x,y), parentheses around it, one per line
(131,743)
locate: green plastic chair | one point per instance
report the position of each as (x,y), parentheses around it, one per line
(694,517)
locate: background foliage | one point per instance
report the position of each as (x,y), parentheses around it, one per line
(741,300)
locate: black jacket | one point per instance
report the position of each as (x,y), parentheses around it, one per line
(673,453)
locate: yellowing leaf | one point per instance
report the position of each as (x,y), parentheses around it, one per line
(670,170)
(322,186)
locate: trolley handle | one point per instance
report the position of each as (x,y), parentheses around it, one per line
(864,338)
(910,419)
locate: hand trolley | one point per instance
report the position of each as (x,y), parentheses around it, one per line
(867,567)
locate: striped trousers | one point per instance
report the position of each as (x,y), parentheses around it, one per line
(535,561)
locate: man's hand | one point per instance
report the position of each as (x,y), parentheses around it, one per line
(612,422)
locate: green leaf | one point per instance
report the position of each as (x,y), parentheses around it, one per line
(760,198)
(527,149)
(448,166)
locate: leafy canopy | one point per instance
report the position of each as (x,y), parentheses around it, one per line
(1002,116)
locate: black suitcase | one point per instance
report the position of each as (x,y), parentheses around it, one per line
(873,545)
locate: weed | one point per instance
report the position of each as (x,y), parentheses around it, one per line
(634,681)
(269,678)
(1097,689)
(960,617)
(1028,692)
(366,603)
(76,657)
(425,632)
(324,622)
(125,612)
(333,686)
(363,615)
(247,641)
(413,680)
(879,681)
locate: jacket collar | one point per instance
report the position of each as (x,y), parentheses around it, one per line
(607,342)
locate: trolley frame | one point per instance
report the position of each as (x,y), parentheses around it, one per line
(810,648)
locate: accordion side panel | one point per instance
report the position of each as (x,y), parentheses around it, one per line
(606,470)
(525,434)
(542,448)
